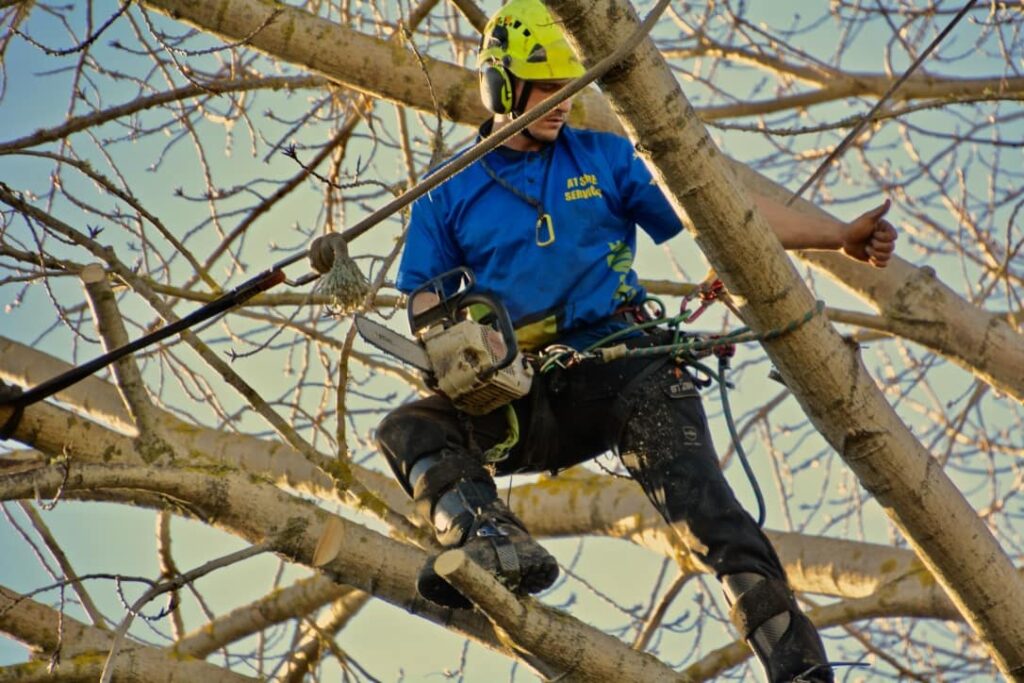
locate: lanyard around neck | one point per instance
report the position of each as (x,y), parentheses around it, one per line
(544,229)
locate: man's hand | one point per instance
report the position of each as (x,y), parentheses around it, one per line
(322,250)
(870,237)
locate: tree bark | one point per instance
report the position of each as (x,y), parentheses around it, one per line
(550,508)
(104,467)
(99,400)
(83,649)
(257,512)
(547,632)
(824,374)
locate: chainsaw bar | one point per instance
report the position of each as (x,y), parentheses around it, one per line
(392,343)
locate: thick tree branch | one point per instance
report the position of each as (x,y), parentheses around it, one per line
(257,512)
(615,507)
(828,380)
(49,428)
(37,625)
(314,643)
(544,631)
(295,601)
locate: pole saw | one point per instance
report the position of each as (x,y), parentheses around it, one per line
(12,406)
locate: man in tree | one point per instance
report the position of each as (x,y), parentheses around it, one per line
(547,223)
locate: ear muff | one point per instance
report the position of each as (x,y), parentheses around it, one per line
(496,89)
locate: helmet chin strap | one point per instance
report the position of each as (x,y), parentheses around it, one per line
(527,134)
(520,106)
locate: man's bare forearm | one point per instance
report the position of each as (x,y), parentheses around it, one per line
(797,230)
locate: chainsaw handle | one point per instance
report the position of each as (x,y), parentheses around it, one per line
(449,305)
(454,307)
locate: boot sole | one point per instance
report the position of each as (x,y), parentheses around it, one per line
(438,591)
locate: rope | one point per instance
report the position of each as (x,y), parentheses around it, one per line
(687,350)
(723,383)
(692,346)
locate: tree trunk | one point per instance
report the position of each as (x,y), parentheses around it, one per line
(825,375)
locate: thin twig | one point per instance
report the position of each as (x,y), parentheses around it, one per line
(168,569)
(657,615)
(65,565)
(172,585)
(852,135)
(82,45)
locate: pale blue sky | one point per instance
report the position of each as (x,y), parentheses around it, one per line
(105,538)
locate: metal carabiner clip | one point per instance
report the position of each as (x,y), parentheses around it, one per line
(544,227)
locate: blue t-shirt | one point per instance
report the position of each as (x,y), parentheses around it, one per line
(560,282)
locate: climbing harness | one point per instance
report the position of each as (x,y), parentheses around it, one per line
(686,349)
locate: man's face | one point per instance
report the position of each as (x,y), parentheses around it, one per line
(547,128)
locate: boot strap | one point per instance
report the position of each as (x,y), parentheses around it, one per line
(759,604)
(508,559)
(509,566)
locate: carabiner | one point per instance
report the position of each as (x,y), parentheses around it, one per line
(544,227)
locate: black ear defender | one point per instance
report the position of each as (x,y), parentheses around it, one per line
(496,83)
(496,88)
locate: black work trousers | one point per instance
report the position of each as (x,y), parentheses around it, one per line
(648,409)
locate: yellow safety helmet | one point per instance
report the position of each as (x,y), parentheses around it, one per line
(522,41)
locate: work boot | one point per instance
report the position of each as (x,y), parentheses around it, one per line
(498,542)
(784,640)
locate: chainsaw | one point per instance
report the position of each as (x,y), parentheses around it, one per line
(467,344)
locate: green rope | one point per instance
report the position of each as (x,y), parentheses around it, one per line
(550,360)
(687,351)
(671,322)
(692,346)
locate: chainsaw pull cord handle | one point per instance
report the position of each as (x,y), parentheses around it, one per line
(243,292)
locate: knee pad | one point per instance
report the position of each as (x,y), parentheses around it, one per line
(765,613)
(452,468)
(405,436)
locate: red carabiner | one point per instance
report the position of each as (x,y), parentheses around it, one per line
(708,293)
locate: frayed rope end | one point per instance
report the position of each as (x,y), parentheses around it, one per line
(344,283)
